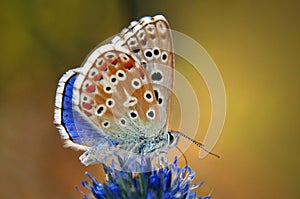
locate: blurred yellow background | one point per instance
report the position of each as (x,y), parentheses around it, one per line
(255,45)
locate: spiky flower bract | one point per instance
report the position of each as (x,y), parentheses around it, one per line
(166,182)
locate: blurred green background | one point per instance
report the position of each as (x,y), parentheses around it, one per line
(254,43)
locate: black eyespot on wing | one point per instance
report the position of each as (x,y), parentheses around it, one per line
(156,52)
(156,76)
(148,96)
(120,74)
(113,80)
(164,57)
(149,54)
(110,56)
(156,94)
(160,100)
(136,50)
(144,64)
(133,114)
(123,121)
(106,124)
(100,109)
(151,114)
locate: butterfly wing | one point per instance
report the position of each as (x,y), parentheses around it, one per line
(74,128)
(150,40)
(115,93)
(122,92)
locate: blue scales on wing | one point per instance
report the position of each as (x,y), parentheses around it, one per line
(74,127)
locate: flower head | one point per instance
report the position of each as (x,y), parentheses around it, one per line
(165,182)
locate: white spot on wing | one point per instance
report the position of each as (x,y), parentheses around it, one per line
(130,101)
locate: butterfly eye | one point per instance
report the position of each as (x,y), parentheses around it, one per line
(113,79)
(105,123)
(133,114)
(121,75)
(170,137)
(136,83)
(148,96)
(150,114)
(164,56)
(110,103)
(100,110)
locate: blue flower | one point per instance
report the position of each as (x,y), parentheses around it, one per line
(166,183)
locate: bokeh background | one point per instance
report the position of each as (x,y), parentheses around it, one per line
(255,45)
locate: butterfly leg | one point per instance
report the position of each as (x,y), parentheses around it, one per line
(98,153)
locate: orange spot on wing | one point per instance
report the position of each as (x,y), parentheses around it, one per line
(115,61)
(128,64)
(141,72)
(87,106)
(97,77)
(87,113)
(91,89)
(111,69)
(103,67)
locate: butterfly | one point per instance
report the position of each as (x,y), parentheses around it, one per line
(121,96)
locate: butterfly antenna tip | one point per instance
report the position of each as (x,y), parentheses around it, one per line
(201,146)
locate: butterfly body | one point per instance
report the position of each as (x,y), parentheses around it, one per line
(120,97)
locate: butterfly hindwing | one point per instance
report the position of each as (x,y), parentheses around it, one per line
(74,128)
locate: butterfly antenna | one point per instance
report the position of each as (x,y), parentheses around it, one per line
(201,146)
